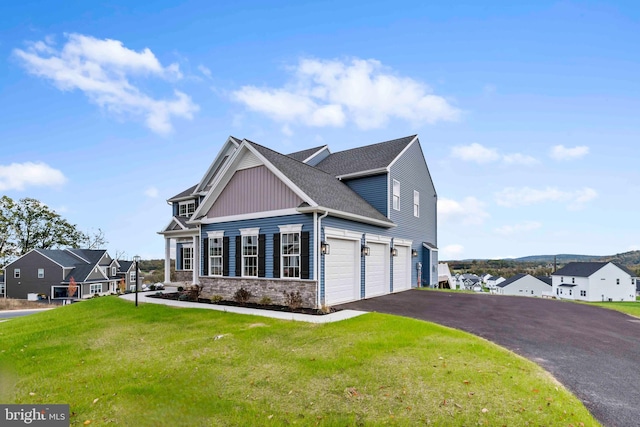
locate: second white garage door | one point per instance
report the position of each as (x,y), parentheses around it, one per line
(376,270)
(402,269)
(341,272)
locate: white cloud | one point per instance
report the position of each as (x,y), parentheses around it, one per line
(454,251)
(151,192)
(103,70)
(333,93)
(525,196)
(204,70)
(526,226)
(468,212)
(18,176)
(560,152)
(475,153)
(480,154)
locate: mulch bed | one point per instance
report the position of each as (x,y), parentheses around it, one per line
(272,307)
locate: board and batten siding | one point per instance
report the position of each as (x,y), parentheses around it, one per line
(252,190)
(269,227)
(413,174)
(373,189)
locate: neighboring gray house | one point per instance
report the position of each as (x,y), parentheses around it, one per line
(337,227)
(2,291)
(48,272)
(127,272)
(594,281)
(525,285)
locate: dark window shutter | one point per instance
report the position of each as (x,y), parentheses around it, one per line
(276,255)
(225,256)
(205,257)
(304,255)
(179,259)
(262,240)
(238,256)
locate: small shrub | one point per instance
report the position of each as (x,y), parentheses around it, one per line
(242,296)
(183,297)
(216,299)
(152,287)
(293,299)
(180,288)
(127,291)
(159,287)
(158,293)
(265,300)
(325,309)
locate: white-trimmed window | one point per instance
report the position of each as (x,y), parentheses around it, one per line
(416,204)
(215,256)
(132,276)
(290,244)
(114,271)
(41,273)
(250,256)
(187,258)
(95,288)
(396,195)
(186,208)
(16,273)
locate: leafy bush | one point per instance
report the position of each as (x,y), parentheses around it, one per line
(293,299)
(216,299)
(180,288)
(194,292)
(152,287)
(265,300)
(242,296)
(183,297)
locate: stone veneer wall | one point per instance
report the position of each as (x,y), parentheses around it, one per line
(226,287)
(184,276)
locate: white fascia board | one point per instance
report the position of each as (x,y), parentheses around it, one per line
(346,215)
(325,147)
(403,151)
(165,230)
(180,233)
(363,173)
(219,157)
(342,233)
(254,215)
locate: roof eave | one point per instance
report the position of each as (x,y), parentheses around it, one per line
(346,215)
(362,174)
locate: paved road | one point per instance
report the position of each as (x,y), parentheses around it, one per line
(593,351)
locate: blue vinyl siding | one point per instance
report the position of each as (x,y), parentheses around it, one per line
(373,189)
(269,227)
(413,174)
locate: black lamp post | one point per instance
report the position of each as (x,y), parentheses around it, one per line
(137,260)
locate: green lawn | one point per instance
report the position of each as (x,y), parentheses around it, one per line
(631,307)
(162,366)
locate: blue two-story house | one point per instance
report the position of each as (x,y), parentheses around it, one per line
(336,227)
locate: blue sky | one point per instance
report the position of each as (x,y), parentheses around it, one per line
(528,113)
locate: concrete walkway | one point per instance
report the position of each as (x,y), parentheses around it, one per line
(143,298)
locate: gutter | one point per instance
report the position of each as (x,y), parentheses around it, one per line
(319,254)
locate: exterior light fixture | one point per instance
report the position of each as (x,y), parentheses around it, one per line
(394,252)
(136,259)
(366,250)
(414,253)
(325,248)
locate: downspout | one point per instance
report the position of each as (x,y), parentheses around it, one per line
(319,254)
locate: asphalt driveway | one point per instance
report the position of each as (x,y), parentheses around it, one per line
(593,351)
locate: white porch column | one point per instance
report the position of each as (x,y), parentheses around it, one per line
(196,260)
(167,260)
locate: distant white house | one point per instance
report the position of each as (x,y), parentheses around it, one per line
(493,282)
(468,281)
(525,285)
(594,281)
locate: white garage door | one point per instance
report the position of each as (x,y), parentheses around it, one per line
(376,270)
(402,269)
(341,278)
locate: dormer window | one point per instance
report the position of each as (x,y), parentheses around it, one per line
(187,208)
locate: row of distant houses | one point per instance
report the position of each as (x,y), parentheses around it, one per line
(583,281)
(48,273)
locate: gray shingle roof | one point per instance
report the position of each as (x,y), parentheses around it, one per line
(124,265)
(324,189)
(60,256)
(510,280)
(186,193)
(91,255)
(365,158)
(586,269)
(304,154)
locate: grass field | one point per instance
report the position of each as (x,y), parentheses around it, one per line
(162,366)
(631,307)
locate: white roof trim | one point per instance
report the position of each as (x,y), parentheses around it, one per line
(363,173)
(346,215)
(225,147)
(325,147)
(403,151)
(253,215)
